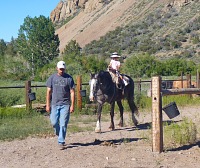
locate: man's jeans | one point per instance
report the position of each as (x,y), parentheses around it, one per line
(59,119)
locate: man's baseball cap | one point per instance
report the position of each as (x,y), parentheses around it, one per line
(61,65)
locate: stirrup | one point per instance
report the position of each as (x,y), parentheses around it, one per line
(119,86)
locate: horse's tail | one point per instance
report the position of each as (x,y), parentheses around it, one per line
(130,96)
(136,111)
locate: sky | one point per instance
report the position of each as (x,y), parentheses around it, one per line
(13,13)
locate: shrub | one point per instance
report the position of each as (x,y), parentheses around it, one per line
(11,97)
(177,134)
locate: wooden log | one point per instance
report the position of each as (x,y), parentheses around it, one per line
(181,91)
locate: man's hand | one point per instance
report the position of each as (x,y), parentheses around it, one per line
(48,108)
(71,109)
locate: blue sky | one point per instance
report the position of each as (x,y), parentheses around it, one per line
(13,13)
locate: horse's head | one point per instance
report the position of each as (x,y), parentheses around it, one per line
(93,86)
(101,83)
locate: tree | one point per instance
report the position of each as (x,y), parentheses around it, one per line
(2,56)
(2,47)
(11,48)
(94,64)
(37,42)
(141,66)
(72,52)
(78,63)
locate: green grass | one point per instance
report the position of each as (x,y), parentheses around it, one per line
(17,123)
(177,134)
(20,128)
(73,128)
(16,96)
(181,100)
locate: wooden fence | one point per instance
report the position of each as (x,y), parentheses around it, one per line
(157,93)
(28,90)
(79,84)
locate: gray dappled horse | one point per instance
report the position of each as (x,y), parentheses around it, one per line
(103,89)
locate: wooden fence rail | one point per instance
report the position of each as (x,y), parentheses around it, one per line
(27,86)
(79,85)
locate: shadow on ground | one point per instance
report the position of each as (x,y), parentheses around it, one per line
(185,147)
(105,142)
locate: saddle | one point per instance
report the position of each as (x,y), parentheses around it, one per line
(120,80)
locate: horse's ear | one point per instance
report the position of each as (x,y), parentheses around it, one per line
(92,75)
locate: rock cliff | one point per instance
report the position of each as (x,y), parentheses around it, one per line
(94,18)
(67,8)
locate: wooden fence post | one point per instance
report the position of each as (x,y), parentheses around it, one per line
(139,86)
(27,91)
(181,79)
(188,80)
(189,83)
(198,79)
(157,127)
(78,88)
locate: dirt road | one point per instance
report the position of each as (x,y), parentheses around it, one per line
(122,148)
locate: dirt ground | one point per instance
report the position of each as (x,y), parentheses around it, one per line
(123,148)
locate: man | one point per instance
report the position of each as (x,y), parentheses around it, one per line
(60,99)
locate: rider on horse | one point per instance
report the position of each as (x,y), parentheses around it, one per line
(114,68)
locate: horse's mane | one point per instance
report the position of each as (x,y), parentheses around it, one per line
(105,79)
(104,76)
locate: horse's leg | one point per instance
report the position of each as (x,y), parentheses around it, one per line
(121,109)
(98,124)
(133,109)
(112,125)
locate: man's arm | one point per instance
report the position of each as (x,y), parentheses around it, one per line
(72,96)
(48,99)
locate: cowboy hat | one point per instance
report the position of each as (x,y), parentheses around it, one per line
(115,55)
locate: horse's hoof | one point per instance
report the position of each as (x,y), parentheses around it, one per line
(120,125)
(111,128)
(136,123)
(97,130)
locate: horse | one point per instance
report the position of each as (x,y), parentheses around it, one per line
(103,89)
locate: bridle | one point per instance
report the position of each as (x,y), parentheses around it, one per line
(94,86)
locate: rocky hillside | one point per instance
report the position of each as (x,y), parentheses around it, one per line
(92,19)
